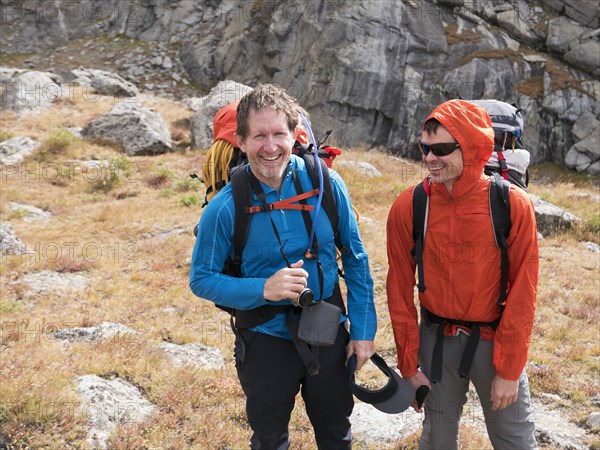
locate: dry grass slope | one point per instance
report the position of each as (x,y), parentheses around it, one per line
(107,225)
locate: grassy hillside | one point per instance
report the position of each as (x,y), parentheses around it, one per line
(128,228)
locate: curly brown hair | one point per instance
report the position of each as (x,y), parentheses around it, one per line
(266,96)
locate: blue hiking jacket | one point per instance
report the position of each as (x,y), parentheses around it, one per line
(262,257)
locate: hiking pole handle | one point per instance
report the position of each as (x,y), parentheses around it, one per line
(421,394)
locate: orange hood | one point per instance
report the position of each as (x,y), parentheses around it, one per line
(472,128)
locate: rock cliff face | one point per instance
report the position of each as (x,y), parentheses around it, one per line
(369,70)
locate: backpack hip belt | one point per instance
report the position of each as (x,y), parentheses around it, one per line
(438,349)
(249,318)
(309,354)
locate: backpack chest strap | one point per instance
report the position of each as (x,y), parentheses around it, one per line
(288,203)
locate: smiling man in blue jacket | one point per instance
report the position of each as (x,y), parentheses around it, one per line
(287,251)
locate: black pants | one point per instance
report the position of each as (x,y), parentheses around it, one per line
(271,375)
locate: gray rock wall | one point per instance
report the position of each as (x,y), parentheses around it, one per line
(369,70)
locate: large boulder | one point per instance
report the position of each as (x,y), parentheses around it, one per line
(14,150)
(584,155)
(583,11)
(585,55)
(30,213)
(362,167)
(593,421)
(550,218)
(141,131)
(562,31)
(28,92)
(222,94)
(105,83)
(577,159)
(587,125)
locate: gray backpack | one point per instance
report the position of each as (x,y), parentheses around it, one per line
(509,158)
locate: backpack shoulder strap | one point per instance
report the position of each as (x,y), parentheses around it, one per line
(241,190)
(500,213)
(328,202)
(420,212)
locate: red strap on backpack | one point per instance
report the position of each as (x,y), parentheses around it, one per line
(503,165)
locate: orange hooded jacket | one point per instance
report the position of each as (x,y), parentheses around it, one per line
(460,257)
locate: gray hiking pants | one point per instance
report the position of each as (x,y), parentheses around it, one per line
(511,428)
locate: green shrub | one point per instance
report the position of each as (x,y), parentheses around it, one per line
(59,142)
(8,307)
(166,192)
(186,185)
(5,135)
(5,413)
(119,170)
(188,200)
(593,224)
(160,178)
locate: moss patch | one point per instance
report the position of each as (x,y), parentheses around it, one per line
(532,87)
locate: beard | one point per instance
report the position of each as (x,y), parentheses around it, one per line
(270,173)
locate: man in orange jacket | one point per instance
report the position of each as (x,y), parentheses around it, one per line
(461,264)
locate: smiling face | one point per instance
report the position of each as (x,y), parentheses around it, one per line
(443,169)
(268,145)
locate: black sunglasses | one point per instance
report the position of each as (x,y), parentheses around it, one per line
(443,149)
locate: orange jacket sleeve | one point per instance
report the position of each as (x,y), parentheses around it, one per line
(400,283)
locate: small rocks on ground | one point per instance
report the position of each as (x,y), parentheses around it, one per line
(199,355)
(109,403)
(103,330)
(591,246)
(46,281)
(10,244)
